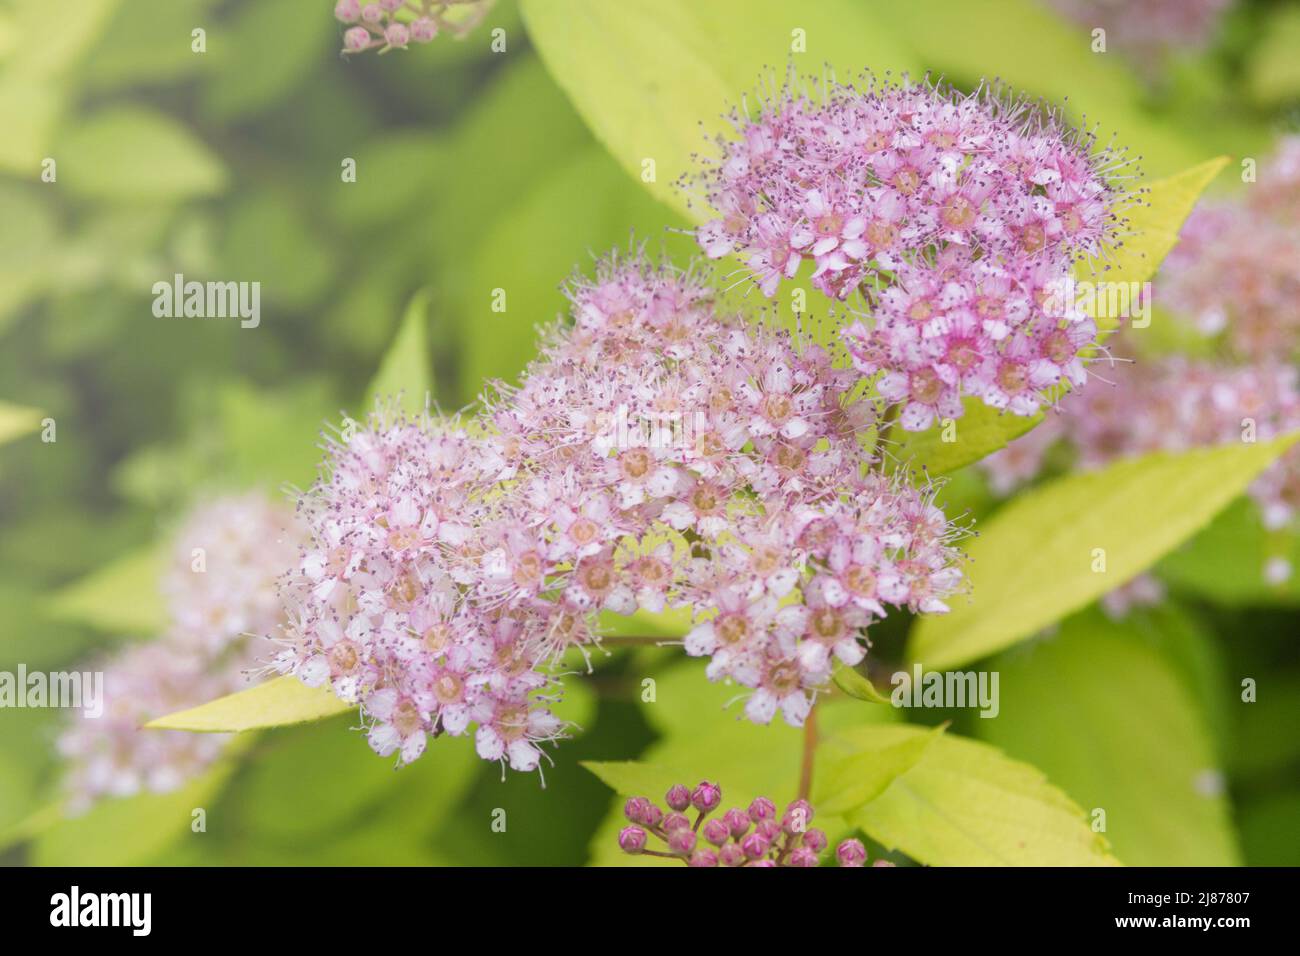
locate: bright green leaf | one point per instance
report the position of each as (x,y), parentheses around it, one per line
(284,700)
(855,685)
(645,74)
(1108,718)
(966,804)
(1033,562)
(405,367)
(853,769)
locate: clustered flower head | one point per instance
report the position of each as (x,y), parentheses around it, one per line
(657,454)
(1233,274)
(955,217)
(753,836)
(385,25)
(220,591)
(1147,31)
(1232,278)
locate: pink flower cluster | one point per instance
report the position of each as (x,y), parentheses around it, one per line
(956,217)
(753,836)
(220,592)
(385,25)
(657,454)
(1233,274)
(1147,30)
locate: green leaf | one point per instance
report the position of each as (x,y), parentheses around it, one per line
(130,153)
(405,367)
(966,804)
(1110,720)
(122,597)
(1156,222)
(1273,69)
(284,700)
(17,421)
(979,432)
(645,74)
(1032,563)
(1227,562)
(854,768)
(852,682)
(584,207)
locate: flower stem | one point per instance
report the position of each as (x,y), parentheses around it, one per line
(809,751)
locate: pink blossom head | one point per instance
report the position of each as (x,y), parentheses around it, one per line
(851,853)
(952,218)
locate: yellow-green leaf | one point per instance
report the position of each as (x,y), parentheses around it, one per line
(122,597)
(284,700)
(966,804)
(853,769)
(1059,547)
(17,421)
(855,685)
(980,431)
(405,367)
(645,74)
(1071,705)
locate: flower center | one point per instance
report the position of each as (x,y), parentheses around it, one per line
(732,628)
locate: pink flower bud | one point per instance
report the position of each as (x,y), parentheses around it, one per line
(762,809)
(631,839)
(347,11)
(706,797)
(769,830)
(681,841)
(716,832)
(397,35)
(676,821)
(883,863)
(801,856)
(679,797)
(372,13)
(737,821)
(815,840)
(851,853)
(423,30)
(797,817)
(652,816)
(356,39)
(704,857)
(755,846)
(732,855)
(391,5)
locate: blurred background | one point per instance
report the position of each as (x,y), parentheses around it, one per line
(475,173)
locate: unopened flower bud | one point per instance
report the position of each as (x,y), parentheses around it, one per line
(635,809)
(676,821)
(815,840)
(851,853)
(802,856)
(716,832)
(356,39)
(424,30)
(631,839)
(681,841)
(732,855)
(706,797)
(762,809)
(348,11)
(755,846)
(737,821)
(704,857)
(679,797)
(397,35)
